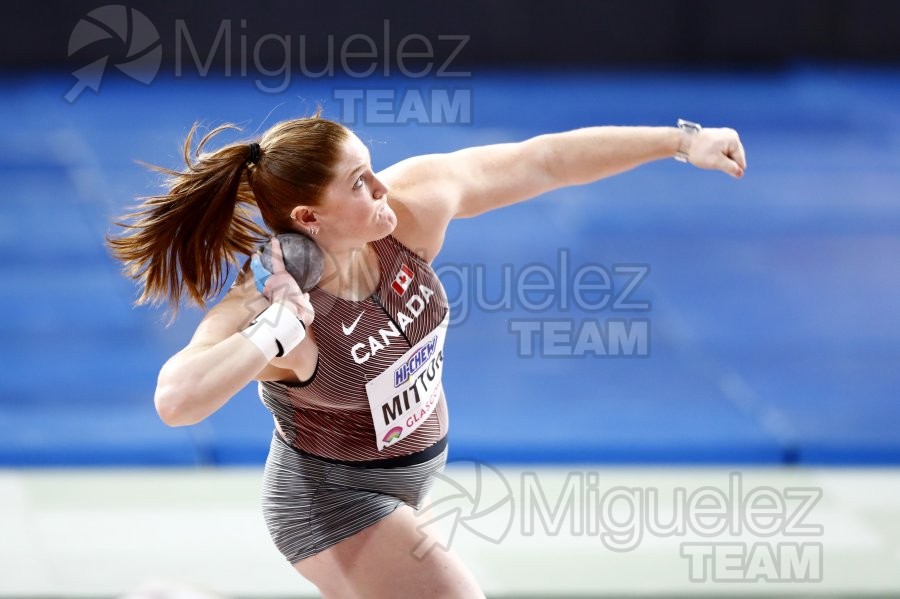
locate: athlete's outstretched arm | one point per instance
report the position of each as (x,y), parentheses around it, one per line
(475,180)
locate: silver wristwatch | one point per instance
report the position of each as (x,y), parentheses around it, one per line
(688,131)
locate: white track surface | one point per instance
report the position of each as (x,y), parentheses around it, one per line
(108,533)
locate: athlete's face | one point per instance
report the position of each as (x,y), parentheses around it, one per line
(354,206)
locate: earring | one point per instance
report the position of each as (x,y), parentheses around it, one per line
(314,230)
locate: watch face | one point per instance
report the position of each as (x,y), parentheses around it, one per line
(688,130)
(688,126)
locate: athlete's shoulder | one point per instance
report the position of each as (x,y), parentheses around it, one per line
(419,228)
(421,202)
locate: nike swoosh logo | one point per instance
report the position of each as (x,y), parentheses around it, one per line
(349,330)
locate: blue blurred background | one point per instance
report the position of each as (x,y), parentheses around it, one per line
(774,333)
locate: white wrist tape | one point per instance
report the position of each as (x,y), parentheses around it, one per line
(276,331)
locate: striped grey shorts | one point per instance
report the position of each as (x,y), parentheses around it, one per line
(311,503)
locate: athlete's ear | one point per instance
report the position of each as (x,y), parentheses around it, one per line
(305,216)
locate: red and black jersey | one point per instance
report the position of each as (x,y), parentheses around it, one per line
(330,415)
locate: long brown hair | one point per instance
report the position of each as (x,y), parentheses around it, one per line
(184,241)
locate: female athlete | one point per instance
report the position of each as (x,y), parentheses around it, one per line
(350,369)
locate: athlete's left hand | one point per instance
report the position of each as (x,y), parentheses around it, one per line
(719,149)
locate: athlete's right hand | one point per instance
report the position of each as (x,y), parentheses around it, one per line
(280,286)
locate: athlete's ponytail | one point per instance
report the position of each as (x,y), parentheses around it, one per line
(179,240)
(182,243)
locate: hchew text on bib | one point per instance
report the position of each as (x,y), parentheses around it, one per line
(403,396)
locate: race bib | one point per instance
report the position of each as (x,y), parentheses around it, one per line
(404,396)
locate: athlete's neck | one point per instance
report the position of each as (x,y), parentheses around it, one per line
(351,273)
